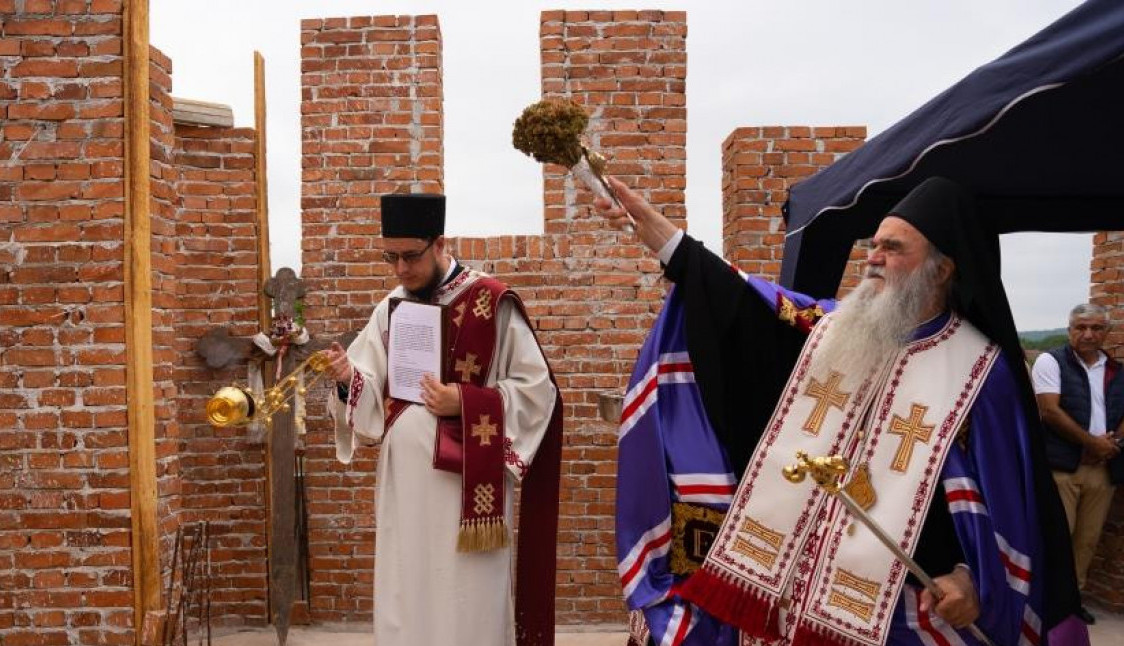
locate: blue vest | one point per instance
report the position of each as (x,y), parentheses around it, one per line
(1076,401)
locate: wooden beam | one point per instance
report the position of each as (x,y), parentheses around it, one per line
(138,320)
(201,113)
(265,304)
(264,270)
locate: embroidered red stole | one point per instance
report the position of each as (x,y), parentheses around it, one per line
(480,427)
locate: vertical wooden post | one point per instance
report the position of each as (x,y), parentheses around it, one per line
(265,317)
(138,320)
(264,271)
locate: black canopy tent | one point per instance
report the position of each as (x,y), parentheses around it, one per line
(1037,135)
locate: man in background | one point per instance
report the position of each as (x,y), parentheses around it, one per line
(1080,392)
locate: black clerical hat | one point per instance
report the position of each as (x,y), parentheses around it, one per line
(413,215)
(945,214)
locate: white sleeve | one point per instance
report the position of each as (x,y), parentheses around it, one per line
(363,414)
(1046,375)
(668,249)
(523,379)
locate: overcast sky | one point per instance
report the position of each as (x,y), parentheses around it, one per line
(750,63)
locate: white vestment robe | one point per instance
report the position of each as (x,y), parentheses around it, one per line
(426,592)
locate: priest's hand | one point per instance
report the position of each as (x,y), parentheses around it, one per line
(653,229)
(340,367)
(443,400)
(960,604)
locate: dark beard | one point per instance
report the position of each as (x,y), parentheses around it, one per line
(425,294)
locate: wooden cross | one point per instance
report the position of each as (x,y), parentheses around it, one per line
(828,396)
(911,430)
(285,289)
(287,562)
(467,367)
(484,430)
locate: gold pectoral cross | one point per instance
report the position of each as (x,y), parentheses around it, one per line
(911,430)
(829,396)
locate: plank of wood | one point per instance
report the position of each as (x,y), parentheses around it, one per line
(201,113)
(264,270)
(140,411)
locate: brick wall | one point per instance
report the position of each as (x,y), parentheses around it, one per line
(371,123)
(759,166)
(1106,574)
(221,472)
(64,499)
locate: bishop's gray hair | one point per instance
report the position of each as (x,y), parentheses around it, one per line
(1088,310)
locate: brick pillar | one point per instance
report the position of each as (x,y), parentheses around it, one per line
(371,124)
(221,471)
(162,217)
(64,483)
(600,291)
(1106,574)
(759,165)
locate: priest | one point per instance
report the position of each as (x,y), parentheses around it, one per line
(916,378)
(449,461)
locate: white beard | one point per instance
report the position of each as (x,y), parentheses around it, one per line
(869,327)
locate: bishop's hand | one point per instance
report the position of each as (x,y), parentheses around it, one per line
(960,605)
(653,229)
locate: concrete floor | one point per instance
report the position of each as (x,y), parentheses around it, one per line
(352,635)
(1108,631)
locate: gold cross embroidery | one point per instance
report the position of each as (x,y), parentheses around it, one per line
(459,309)
(911,430)
(828,396)
(483,308)
(484,430)
(467,367)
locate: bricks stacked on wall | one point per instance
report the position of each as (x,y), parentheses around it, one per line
(1106,576)
(64,498)
(759,166)
(1107,284)
(221,470)
(371,124)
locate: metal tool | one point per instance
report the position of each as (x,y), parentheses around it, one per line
(827,473)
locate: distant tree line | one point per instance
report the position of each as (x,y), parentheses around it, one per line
(1045,343)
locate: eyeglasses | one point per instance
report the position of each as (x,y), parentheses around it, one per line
(409,257)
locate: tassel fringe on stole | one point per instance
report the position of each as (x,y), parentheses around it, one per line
(730,603)
(482,535)
(722,597)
